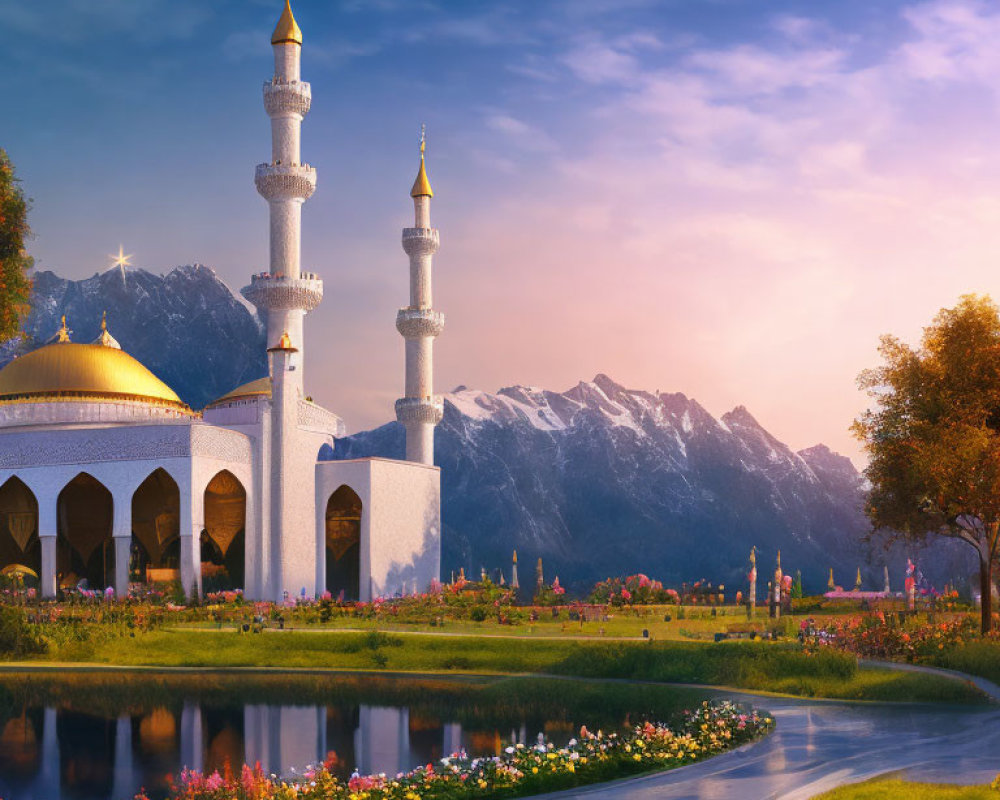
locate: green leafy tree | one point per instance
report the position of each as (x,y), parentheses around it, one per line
(933,435)
(15,286)
(797,585)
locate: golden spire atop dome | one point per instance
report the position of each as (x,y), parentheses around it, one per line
(105,338)
(287,30)
(422,186)
(62,335)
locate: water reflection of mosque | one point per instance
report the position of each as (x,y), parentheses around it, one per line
(60,754)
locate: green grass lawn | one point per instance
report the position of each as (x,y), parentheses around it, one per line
(756,666)
(886,788)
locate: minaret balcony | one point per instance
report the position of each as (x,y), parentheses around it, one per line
(282,98)
(428,410)
(421,241)
(285,181)
(269,291)
(419,323)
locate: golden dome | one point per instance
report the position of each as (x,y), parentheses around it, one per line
(258,388)
(67,371)
(287,30)
(422,186)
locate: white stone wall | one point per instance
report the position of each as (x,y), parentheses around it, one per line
(76,411)
(400,522)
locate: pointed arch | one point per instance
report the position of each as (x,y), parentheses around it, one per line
(84,520)
(156,515)
(343,543)
(20,549)
(224,537)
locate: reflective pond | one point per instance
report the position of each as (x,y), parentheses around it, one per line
(87,736)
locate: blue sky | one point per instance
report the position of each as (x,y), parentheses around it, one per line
(729,199)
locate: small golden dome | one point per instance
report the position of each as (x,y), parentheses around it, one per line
(287,30)
(67,371)
(421,186)
(258,388)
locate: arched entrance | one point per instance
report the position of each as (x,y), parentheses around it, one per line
(156,510)
(84,548)
(20,549)
(343,544)
(223,542)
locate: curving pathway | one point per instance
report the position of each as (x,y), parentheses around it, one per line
(819,745)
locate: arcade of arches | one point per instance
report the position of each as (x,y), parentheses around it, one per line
(85,551)
(343,544)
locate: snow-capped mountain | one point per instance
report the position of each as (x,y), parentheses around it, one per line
(185,326)
(602,480)
(598,480)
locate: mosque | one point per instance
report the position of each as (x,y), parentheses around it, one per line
(107,477)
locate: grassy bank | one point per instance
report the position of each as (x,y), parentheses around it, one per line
(749,665)
(884,788)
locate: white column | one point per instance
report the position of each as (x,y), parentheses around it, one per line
(51,774)
(47,530)
(123,784)
(191,524)
(122,535)
(192,749)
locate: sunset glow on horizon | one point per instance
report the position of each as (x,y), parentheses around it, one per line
(727,199)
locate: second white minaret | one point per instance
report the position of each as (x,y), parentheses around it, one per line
(420,410)
(285,293)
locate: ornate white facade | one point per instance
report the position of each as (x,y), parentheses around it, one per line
(107,477)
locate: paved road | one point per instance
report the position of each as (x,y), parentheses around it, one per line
(819,745)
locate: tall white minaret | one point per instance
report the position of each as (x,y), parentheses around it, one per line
(285,293)
(419,411)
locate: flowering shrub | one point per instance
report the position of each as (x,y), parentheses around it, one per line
(519,770)
(633,590)
(873,636)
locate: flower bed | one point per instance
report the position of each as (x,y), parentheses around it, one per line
(518,771)
(877,637)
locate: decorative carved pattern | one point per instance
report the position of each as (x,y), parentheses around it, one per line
(421,241)
(418,409)
(220,443)
(318,418)
(284,293)
(417,323)
(285,182)
(284,97)
(132,443)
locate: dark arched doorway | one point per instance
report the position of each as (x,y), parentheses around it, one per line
(84,547)
(343,544)
(156,517)
(20,549)
(223,542)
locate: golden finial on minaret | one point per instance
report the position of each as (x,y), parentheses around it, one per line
(753,556)
(422,186)
(515,556)
(62,335)
(287,30)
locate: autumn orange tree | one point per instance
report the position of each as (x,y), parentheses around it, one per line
(933,435)
(15,286)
